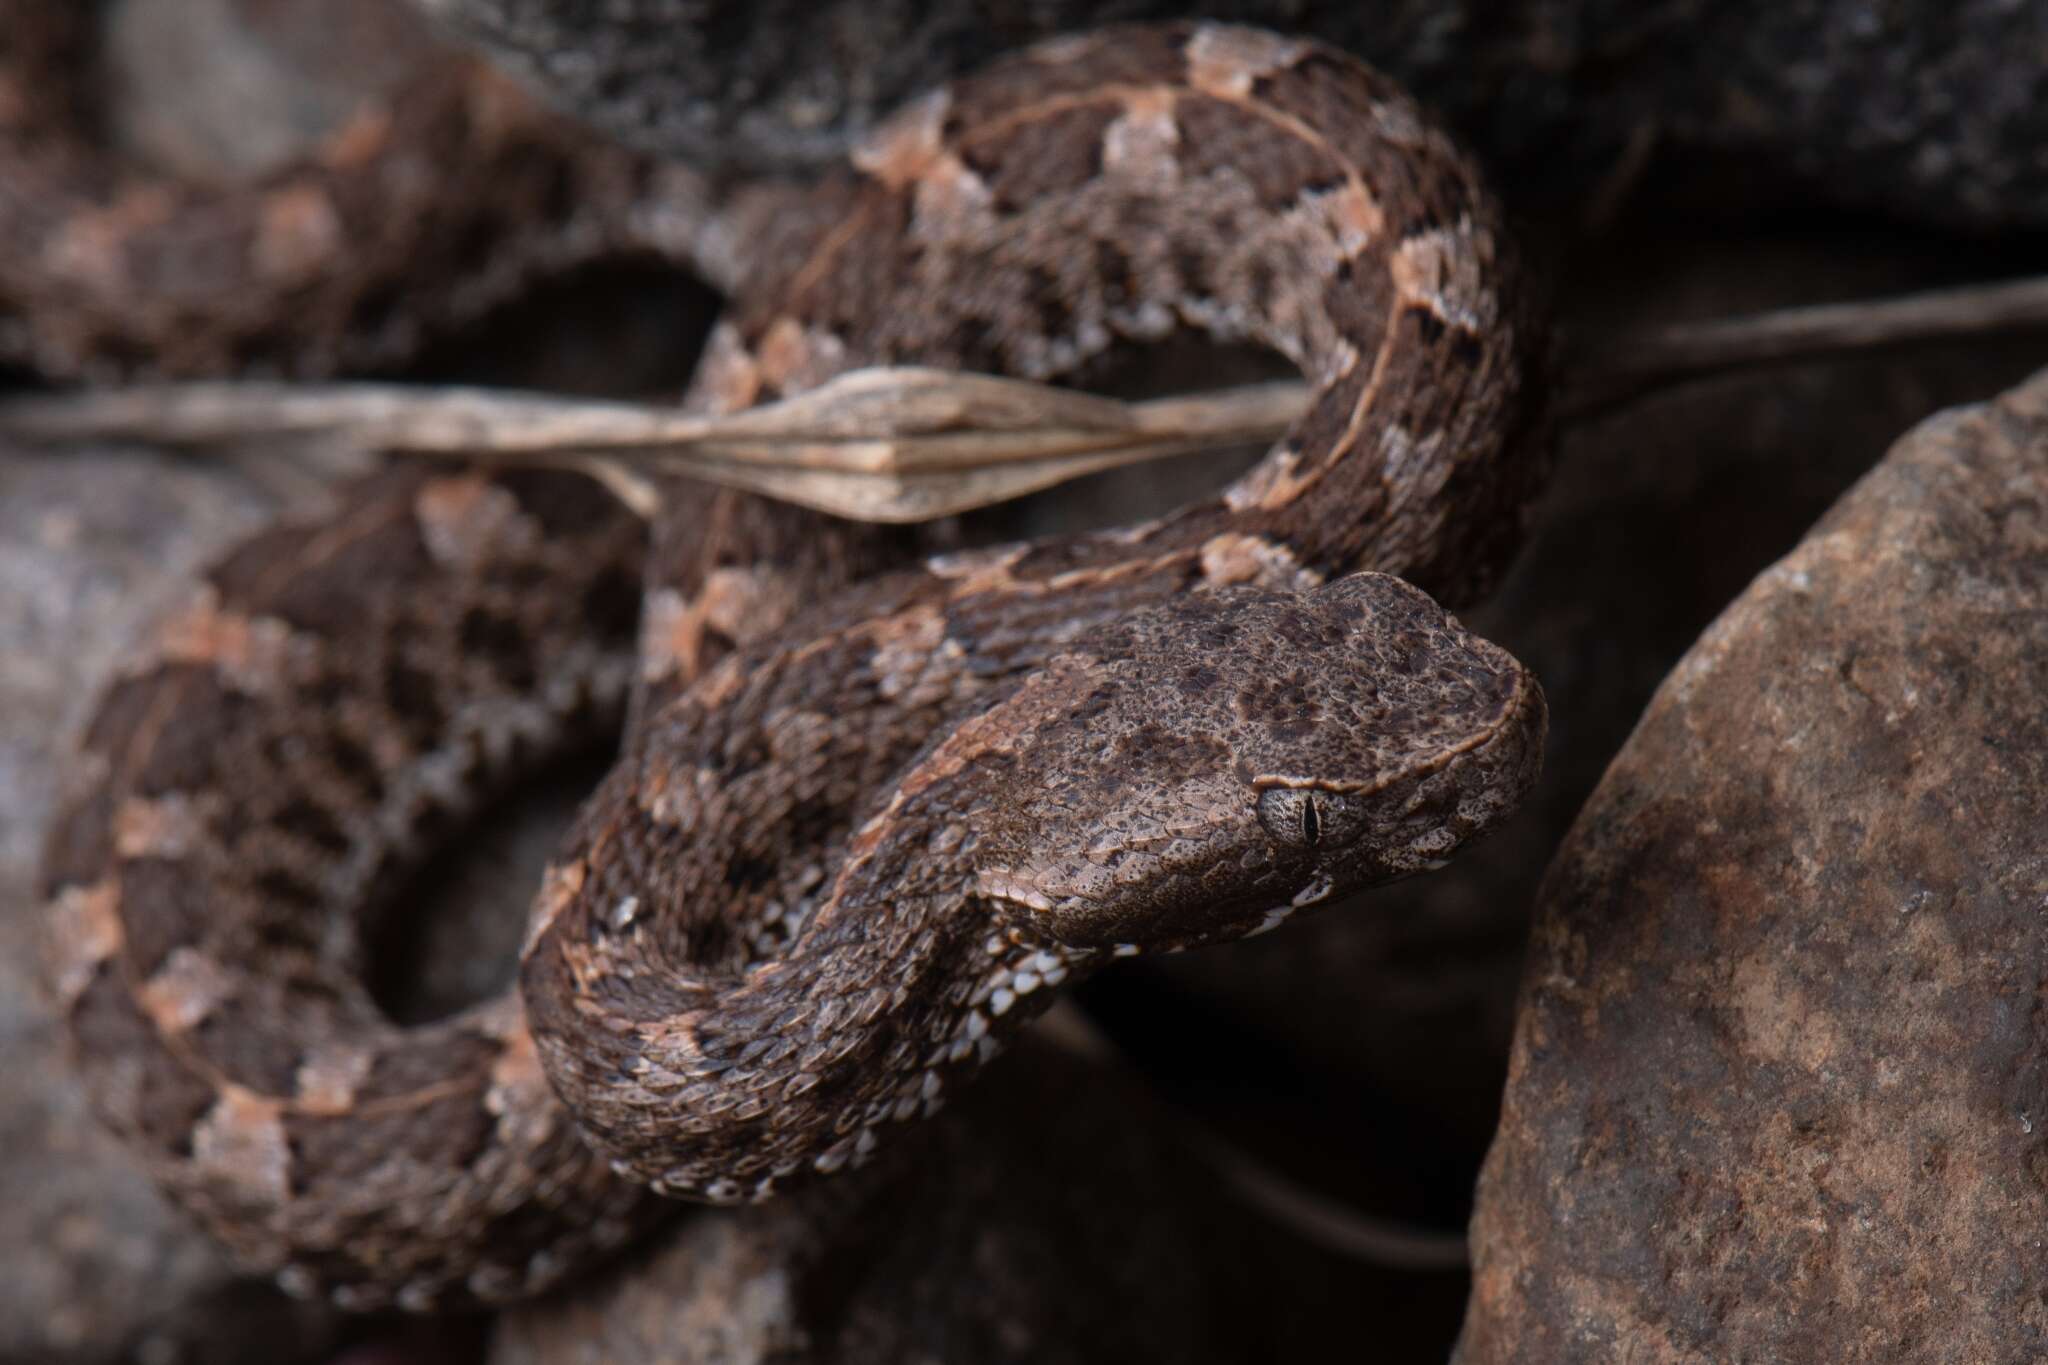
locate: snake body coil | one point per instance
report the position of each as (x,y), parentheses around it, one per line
(840,860)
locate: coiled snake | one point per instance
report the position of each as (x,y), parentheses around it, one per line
(838,861)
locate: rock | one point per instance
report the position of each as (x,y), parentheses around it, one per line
(1930,108)
(1780,1077)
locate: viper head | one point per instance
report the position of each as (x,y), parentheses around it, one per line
(1201,769)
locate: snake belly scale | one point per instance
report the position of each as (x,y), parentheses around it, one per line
(863,822)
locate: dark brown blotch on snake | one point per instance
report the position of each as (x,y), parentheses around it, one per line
(856,836)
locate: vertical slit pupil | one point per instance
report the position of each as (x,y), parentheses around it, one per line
(1311,822)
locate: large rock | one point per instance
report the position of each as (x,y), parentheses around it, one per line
(1779,1088)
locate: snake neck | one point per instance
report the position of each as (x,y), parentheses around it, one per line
(730,984)
(710,1076)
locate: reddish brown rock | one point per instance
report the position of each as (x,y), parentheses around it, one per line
(1779,1088)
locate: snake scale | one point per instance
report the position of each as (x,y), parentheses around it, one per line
(445,193)
(868,813)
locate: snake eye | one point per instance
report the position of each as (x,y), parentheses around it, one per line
(1306,818)
(1292,816)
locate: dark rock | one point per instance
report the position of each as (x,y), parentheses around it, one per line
(1932,109)
(1777,1085)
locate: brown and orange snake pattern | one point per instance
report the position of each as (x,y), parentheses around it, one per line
(869,813)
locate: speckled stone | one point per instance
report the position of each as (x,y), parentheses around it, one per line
(1779,1087)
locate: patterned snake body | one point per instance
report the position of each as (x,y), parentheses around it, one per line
(849,846)
(348,256)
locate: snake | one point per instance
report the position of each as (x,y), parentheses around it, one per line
(442,193)
(876,801)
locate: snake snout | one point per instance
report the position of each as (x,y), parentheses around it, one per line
(1475,786)
(1433,733)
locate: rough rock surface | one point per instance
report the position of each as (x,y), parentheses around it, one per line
(1779,1088)
(1931,108)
